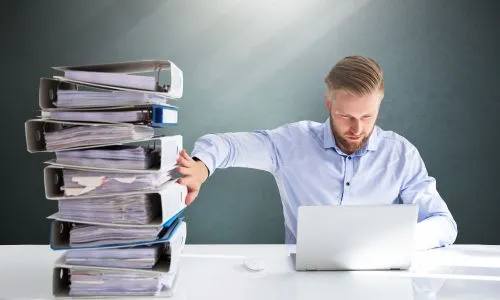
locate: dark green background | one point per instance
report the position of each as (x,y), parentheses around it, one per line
(256,65)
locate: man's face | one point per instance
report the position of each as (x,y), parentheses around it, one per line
(352,118)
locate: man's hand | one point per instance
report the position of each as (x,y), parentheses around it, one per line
(194,175)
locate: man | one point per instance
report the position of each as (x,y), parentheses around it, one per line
(346,160)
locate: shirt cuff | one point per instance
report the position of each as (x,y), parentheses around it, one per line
(207,160)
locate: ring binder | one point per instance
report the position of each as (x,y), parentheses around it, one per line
(118,76)
(98,133)
(152,115)
(61,241)
(170,197)
(56,93)
(163,151)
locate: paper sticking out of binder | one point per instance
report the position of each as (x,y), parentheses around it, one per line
(124,76)
(149,208)
(43,135)
(73,182)
(158,154)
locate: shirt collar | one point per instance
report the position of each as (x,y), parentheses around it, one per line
(374,139)
(329,139)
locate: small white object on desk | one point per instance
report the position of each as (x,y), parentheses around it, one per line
(254,265)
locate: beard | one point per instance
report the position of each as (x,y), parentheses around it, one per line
(349,147)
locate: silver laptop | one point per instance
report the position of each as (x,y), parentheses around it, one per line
(355,237)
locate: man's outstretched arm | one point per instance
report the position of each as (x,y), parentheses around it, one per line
(254,150)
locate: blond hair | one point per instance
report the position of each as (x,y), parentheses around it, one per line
(357,74)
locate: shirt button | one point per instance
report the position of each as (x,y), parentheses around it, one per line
(347,183)
(348,157)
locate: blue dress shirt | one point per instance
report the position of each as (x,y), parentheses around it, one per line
(310,169)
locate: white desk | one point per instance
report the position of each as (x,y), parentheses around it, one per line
(216,272)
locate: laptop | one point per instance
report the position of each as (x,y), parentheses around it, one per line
(355,237)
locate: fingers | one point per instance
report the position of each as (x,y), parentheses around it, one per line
(186,167)
(185,171)
(184,159)
(193,190)
(186,156)
(192,183)
(184,162)
(190,197)
(188,181)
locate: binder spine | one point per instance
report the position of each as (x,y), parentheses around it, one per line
(158,116)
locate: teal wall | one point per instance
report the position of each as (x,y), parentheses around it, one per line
(256,65)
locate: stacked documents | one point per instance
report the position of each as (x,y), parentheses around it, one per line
(132,258)
(158,115)
(81,99)
(88,182)
(157,260)
(126,116)
(126,267)
(82,235)
(91,282)
(85,135)
(138,209)
(118,204)
(119,156)
(72,104)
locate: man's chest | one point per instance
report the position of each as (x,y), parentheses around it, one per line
(330,179)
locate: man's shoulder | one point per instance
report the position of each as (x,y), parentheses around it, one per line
(300,128)
(394,140)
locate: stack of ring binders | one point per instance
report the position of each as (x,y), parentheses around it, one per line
(120,207)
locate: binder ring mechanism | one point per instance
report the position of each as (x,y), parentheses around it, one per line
(52,96)
(56,181)
(153,146)
(62,227)
(160,88)
(38,135)
(53,88)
